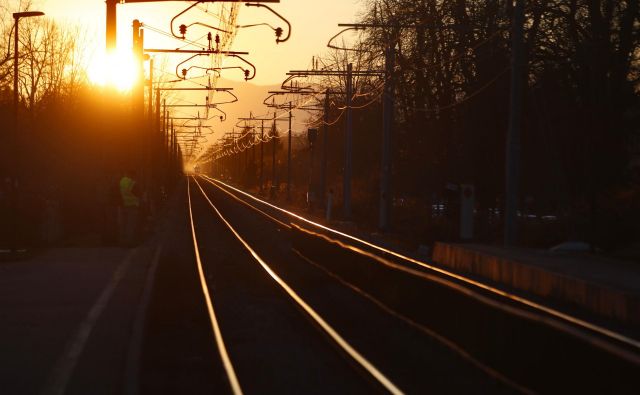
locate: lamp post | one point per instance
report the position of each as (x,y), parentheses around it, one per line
(312,135)
(16,17)
(14,137)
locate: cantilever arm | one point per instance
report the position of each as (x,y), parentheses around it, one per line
(218,69)
(209,26)
(224,114)
(176,17)
(207,69)
(184,71)
(277,30)
(247,77)
(267,98)
(330,45)
(235,99)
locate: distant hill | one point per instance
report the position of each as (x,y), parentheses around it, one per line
(250,98)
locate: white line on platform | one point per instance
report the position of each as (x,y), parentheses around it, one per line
(64,367)
(132,370)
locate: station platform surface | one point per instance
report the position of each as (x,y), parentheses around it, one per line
(69,315)
(604,286)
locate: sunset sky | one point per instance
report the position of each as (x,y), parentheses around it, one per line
(314,22)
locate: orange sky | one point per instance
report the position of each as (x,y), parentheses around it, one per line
(314,22)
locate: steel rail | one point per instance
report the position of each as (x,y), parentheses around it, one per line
(442,339)
(337,338)
(455,347)
(224,355)
(485,287)
(282,224)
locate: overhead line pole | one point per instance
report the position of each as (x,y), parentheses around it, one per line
(157,145)
(386,197)
(348,166)
(387,134)
(111,25)
(273,146)
(289,154)
(348,147)
(325,109)
(325,142)
(149,129)
(262,156)
(165,140)
(138,97)
(512,171)
(261,146)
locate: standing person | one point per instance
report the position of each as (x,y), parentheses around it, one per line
(111,211)
(130,208)
(6,212)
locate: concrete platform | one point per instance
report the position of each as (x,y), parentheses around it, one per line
(606,287)
(67,318)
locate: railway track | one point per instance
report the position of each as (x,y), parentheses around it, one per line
(384,320)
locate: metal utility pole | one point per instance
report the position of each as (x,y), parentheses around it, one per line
(312,135)
(16,43)
(138,96)
(325,142)
(273,145)
(349,74)
(158,128)
(238,157)
(170,146)
(150,86)
(262,120)
(112,23)
(386,197)
(348,150)
(325,109)
(387,132)
(156,145)
(16,94)
(174,150)
(512,171)
(289,108)
(246,163)
(14,198)
(13,138)
(262,156)
(138,45)
(253,154)
(165,142)
(148,131)
(289,154)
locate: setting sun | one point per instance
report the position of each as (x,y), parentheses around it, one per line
(325,196)
(116,69)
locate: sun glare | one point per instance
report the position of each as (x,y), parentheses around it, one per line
(117,69)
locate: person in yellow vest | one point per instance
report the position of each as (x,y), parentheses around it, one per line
(130,209)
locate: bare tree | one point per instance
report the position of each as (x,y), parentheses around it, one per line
(54,62)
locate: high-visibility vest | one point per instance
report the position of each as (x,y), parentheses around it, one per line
(126,191)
